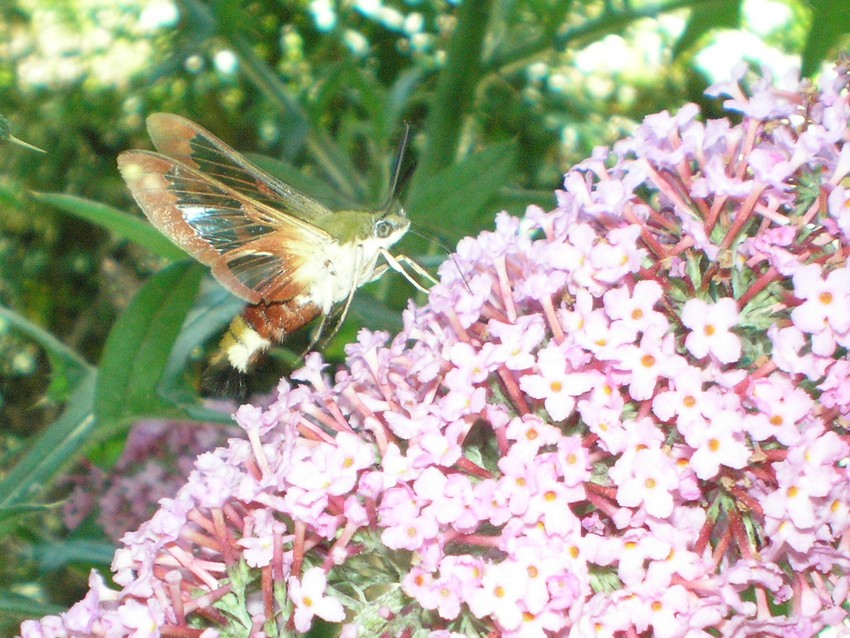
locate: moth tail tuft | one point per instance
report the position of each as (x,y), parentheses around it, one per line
(222,380)
(239,349)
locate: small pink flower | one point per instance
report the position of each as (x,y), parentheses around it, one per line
(651,359)
(556,384)
(825,310)
(721,443)
(650,482)
(308,595)
(502,587)
(710,324)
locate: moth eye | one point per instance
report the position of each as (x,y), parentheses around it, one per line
(383,229)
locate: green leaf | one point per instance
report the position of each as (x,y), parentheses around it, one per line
(126,226)
(460,192)
(455,89)
(830,23)
(57,446)
(67,367)
(716,15)
(10,514)
(214,309)
(58,554)
(139,345)
(15,605)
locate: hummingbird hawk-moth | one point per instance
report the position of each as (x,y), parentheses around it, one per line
(288,256)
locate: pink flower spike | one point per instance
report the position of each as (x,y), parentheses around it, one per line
(710,324)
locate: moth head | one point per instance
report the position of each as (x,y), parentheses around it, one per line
(388,228)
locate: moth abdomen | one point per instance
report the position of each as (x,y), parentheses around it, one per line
(248,337)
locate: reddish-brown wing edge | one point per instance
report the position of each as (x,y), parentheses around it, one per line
(172,136)
(145,174)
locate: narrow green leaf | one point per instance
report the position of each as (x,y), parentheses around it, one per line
(213,310)
(14,605)
(61,356)
(830,23)
(59,554)
(57,446)
(11,514)
(139,345)
(127,226)
(711,16)
(455,89)
(460,192)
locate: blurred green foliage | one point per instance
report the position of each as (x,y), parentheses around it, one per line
(501,97)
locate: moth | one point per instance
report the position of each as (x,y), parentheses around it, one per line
(287,255)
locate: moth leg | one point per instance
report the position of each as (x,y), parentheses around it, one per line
(337,316)
(396,263)
(419,270)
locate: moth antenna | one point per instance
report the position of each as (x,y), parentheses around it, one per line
(433,239)
(400,173)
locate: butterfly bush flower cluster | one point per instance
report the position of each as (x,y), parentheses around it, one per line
(623,417)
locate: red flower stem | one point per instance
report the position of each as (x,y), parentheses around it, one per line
(714,213)
(721,546)
(173,581)
(478,540)
(454,322)
(172,631)
(742,215)
(704,536)
(747,500)
(506,293)
(763,473)
(268,592)
(204,522)
(277,551)
(607,492)
(736,524)
(512,390)
(466,465)
(762,371)
(224,534)
(774,456)
(758,285)
(298,548)
(645,234)
(552,319)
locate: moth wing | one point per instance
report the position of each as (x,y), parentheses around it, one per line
(194,146)
(255,251)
